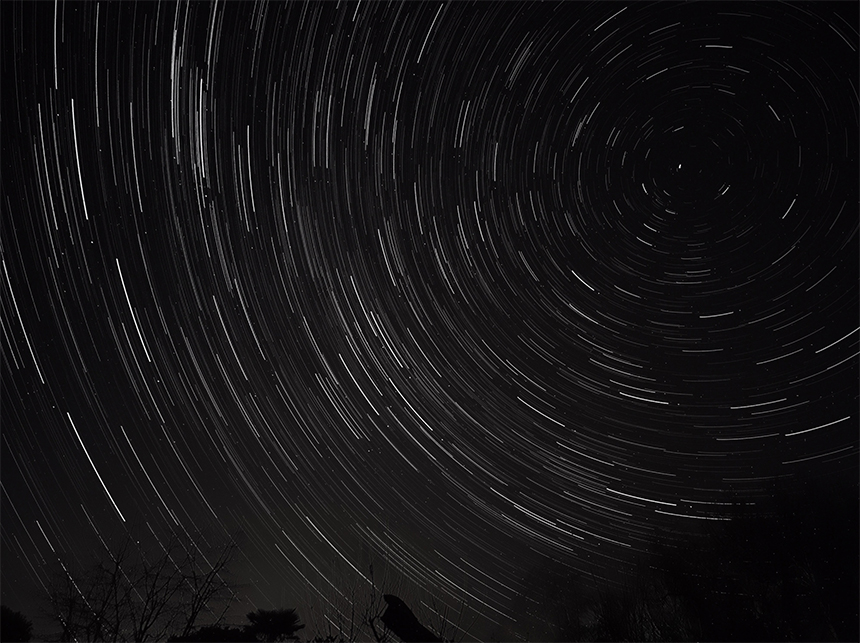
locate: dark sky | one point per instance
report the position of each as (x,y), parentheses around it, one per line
(475,289)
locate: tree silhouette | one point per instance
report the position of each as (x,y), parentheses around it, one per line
(14,626)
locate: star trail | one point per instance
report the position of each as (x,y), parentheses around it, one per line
(466,288)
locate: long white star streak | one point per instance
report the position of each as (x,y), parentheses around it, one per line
(463,288)
(95,469)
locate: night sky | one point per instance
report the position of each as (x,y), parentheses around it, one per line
(462,290)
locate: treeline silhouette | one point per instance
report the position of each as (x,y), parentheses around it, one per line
(264,625)
(782,569)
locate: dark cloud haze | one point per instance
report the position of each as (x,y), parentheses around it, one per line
(471,288)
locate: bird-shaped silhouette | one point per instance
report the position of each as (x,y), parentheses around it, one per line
(405,625)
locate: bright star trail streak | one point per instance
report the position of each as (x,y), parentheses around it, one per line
(468,288)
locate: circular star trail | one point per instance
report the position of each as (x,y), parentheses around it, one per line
(462,287)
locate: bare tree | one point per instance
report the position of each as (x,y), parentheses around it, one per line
(152,597)
(205,585)
(134,594)
(88,604)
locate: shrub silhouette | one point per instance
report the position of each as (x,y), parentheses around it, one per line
(264,625)
(215,634)
(14,626)
(274,625)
